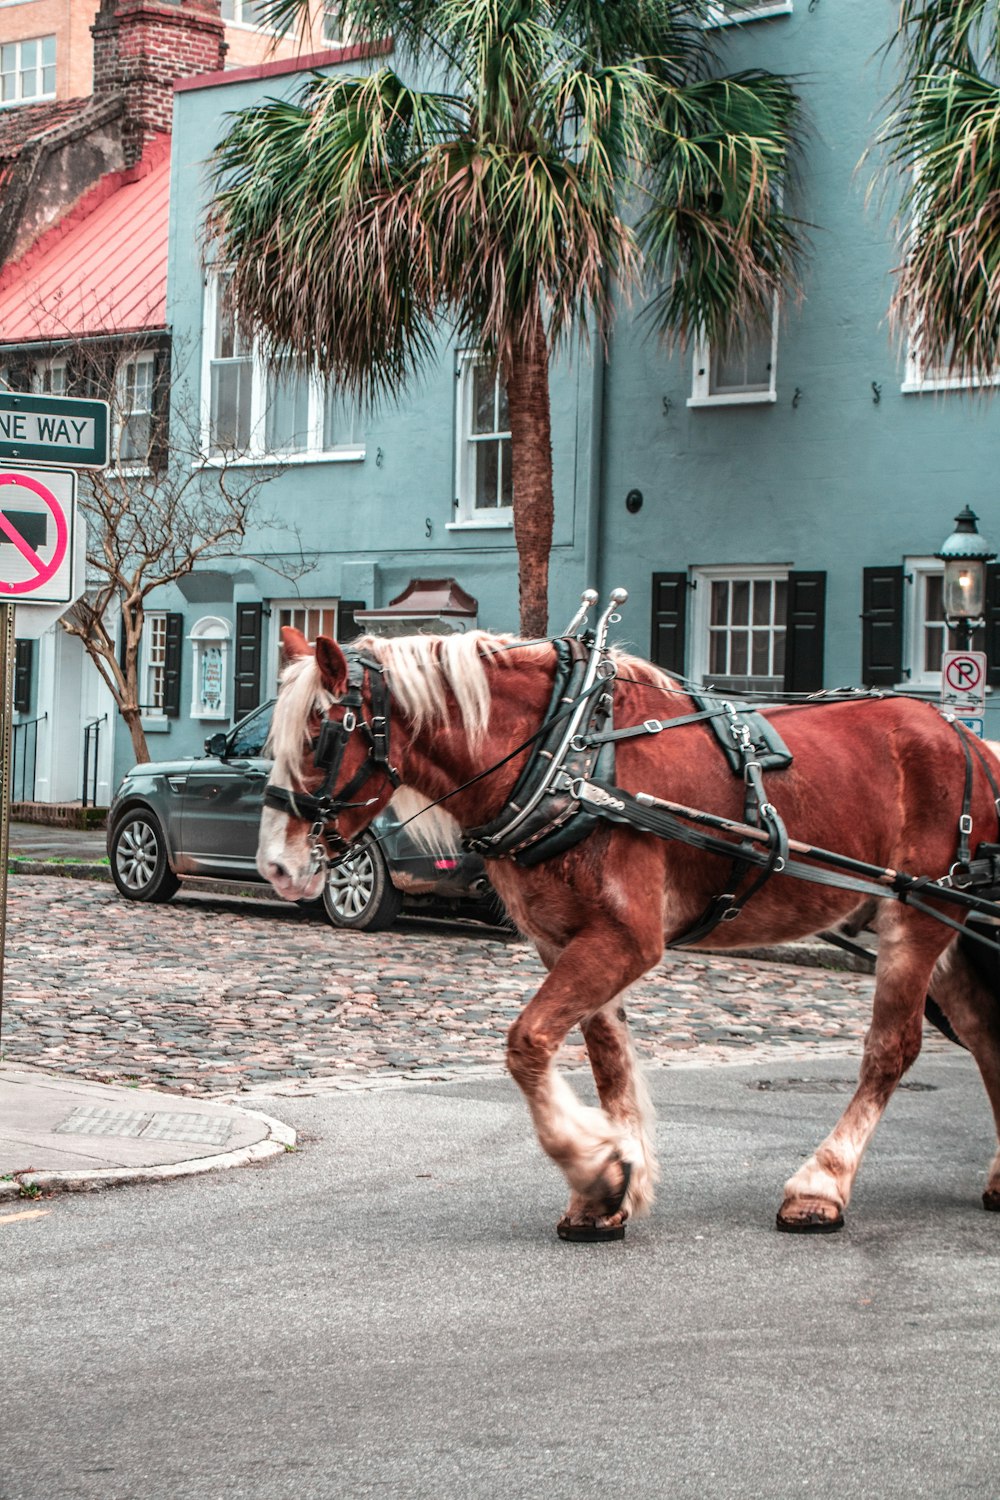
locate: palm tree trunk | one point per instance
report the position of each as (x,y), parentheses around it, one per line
(527,381)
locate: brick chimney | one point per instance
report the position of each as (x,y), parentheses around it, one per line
(140,47)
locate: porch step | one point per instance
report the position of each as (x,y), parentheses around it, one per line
(59,814)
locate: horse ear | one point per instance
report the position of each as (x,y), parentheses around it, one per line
(332,665)
(294,643)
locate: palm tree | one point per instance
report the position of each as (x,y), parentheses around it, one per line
(942,136)
(572,146)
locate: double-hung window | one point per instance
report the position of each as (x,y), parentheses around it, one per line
(739,628)
(920,375)
(152,683)
(49,377)
(28,70)
(247,13)
(134,410)
(927,636)
(255,412)
(313,617)
(741,375)
(730,12)
(484,476)
(333,31)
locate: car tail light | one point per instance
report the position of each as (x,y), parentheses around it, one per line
(446,864)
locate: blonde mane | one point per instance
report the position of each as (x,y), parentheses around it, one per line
(419,671)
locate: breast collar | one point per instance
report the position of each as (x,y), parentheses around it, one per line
(328,748)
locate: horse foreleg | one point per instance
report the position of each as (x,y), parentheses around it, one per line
(598,1154)
(818,1193)
(624,1097)
(972,1006)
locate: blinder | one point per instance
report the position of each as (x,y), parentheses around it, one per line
(329,747)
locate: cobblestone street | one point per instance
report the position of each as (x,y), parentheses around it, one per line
(208,996)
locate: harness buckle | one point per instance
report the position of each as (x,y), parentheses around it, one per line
(652,726)
(965,823)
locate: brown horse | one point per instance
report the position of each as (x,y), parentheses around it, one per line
(879,780)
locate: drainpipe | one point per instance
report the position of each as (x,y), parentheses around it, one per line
(592,569)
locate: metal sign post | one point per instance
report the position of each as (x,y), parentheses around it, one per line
(39,560)
(6,765)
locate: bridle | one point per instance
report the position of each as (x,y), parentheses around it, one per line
(327,844)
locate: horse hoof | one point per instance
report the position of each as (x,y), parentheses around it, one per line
(810,1221)
(589,1234)
(991,1200)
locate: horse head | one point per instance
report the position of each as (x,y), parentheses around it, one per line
(332,772)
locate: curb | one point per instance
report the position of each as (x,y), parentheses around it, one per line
(280,1139)
(17,865)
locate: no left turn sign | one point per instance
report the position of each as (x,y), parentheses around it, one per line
(37,517)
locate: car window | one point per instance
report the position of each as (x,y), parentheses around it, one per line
(250,737)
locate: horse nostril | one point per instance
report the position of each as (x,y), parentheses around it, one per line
(276,871)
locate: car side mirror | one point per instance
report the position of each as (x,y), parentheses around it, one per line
(216,745)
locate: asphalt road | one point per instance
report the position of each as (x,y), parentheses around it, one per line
(387,1312)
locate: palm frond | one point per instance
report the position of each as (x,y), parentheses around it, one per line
(954,33)
(316,218)
(946,142)
(715,230)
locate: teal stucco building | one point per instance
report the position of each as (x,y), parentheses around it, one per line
(774,514)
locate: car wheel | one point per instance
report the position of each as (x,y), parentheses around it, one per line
(139,866)
(358,892)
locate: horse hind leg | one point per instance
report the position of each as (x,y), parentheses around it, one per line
(602,1154)
(817,1195)
(966,985)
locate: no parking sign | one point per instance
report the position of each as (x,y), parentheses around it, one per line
(37,523)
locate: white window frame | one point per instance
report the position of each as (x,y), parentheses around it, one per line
(40,69)
(329,16)
(209,634)
(351,450)
(916,678)
(702,579)
(236,19)
(702,392)
(301,607)
(57,366)
(149,664)
(724,14)
(146,359)
(467,515)
(918,378)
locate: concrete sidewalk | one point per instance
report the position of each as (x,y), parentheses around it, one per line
(59,1134)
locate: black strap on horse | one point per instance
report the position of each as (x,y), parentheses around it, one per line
(323,805)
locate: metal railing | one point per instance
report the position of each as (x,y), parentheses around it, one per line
(25,759)
(91,737)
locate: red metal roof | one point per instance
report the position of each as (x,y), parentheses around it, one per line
(102,268)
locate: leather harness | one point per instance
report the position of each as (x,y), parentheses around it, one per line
(566,788)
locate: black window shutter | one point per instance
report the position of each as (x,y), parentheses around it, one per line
(992,632)
(804,622)
(347,626)
(24,658)
(246,693)
(172,666)
(882,627)
(669,628)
